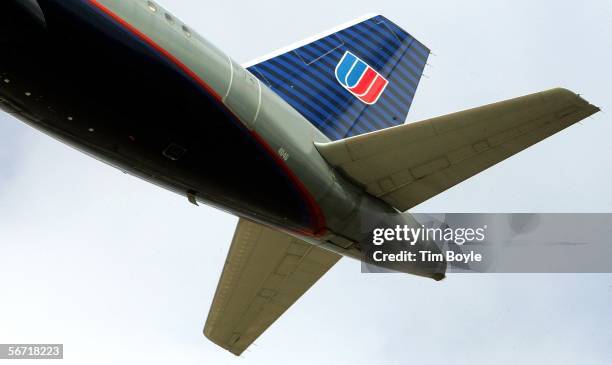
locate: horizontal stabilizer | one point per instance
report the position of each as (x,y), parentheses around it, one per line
(409,164)
(266,271)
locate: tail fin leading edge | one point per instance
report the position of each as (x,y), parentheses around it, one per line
(356,80)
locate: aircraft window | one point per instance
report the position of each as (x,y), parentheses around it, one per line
(152,6)
(169,18)
(187,31)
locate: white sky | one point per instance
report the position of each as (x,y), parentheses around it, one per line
(123,272)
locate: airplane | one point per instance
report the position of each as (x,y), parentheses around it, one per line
(308,146)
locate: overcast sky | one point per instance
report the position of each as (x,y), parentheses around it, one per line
(121,271)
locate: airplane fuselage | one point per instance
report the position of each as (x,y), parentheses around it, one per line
(129,84)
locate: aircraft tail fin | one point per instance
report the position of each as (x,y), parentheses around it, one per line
(356,79)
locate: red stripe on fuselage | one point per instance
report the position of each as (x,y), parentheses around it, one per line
(318,220)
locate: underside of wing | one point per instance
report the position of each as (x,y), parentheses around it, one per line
(266,271)
(409,164)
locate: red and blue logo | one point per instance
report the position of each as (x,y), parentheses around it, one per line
(360,79)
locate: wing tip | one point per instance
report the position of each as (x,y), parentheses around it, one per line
(588,108)
(576,95)
(233,350)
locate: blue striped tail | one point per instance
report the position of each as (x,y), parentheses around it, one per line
(357,80)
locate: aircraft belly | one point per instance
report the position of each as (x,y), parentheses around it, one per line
(127,105)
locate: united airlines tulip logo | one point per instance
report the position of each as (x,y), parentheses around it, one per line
(360,79)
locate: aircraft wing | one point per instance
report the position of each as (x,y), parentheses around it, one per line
(409,164)
(266,271)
